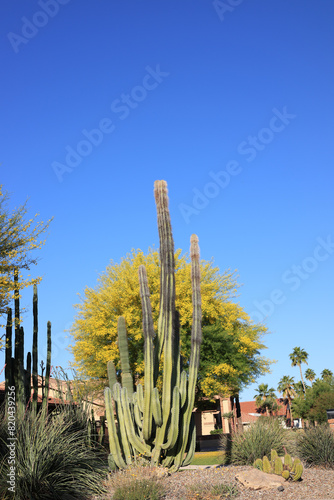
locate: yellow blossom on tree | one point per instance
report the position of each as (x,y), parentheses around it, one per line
(18,237)
(94,330)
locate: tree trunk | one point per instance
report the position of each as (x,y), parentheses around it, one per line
(301,376)
(291,418)
(238,411)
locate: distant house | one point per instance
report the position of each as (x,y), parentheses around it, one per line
(58,393)
(211,416)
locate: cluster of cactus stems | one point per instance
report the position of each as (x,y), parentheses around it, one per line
(287,468)
(15,373)
(160,428)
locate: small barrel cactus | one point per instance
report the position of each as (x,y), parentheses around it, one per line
(273,456)
(288,469)
(266,465)
(278,466)
(286,474)
(297,470)
(288,460)
(258,464)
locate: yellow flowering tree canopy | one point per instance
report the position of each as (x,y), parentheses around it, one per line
(94,330)
(18,236)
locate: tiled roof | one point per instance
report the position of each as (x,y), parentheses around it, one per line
(250,412)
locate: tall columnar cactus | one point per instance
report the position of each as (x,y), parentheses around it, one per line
(158,427)
(9,369)
(35,351)
(15,373)
(48,367)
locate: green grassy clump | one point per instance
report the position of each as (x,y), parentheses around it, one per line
(51,461)
(145,489)
(315,446)
(215,492)
(258,440)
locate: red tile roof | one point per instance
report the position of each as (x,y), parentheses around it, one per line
(250,412)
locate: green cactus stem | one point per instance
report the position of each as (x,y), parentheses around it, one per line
(27,379)
(115,457)
(149,335)
(123,437)
(273,456)
(258,464)
(136,443)
(35,352)
(127,380)
(286,474)
(266,465)
(295,463)
(278,466)
(20,381)
(48,368)
(288,460)
(112,378)
(9,375)
(156,408)
(159,426)
(297,472)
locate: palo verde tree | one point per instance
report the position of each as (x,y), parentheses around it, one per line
(18,237)
(231,342)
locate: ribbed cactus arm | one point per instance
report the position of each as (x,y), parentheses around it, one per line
(156,407)
(48,366)
(114,444)
(167,266)
(166,322)
(127,379)
(112,378)
(140,397)
(196,339)
(123,437)
(9,376)
(148,331)
(183,387)
(137,416)
(135,441)
(191,446)
(196,331)
(35,350)
(173,430)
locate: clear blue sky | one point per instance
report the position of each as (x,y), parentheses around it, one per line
(232,105)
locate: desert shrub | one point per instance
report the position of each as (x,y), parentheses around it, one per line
(139,489)
(224,490)
(51,462)
(257,440)
(221,490)
(141,481)
(316,446)
(217,431)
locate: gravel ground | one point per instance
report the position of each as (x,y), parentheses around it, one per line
(316,484)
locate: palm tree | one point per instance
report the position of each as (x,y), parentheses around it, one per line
(299,356)
(298,387)
(326,374)
(310,375)
(285,386)
(265,398)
